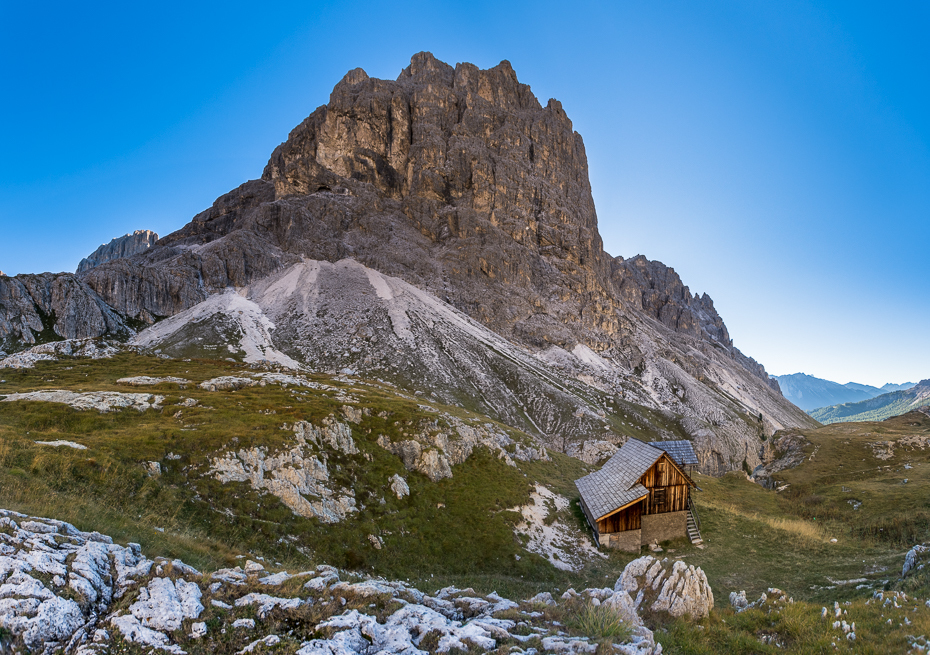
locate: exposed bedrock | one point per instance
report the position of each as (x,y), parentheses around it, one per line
(124,246)
(49,306)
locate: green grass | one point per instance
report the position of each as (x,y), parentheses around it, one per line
(599,622)
(798,628)
(758,538)
(754,541)
(456,530)
(459,531)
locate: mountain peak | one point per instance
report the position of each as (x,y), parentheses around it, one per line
(453,186)
(425,67)
(124,246)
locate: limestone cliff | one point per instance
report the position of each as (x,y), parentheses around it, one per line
(124,246)
(47,307)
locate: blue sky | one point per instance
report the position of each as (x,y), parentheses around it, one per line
(776,154)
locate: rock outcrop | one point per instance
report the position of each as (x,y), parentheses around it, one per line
(436,447)
(45,565)
(50,307)
(772,600)
(547,530)
(294,473)
(64,590)
(594,452)
(785,450)
(124,246)
(666,586)
(149,381)
(913,557)
(102,401)
(90,348)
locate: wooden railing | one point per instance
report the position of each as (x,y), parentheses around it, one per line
(693,510)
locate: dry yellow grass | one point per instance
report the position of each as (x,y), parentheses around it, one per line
(804,530)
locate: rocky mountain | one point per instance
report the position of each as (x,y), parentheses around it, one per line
(809,392)
(866,388)
(49,307)
(438,231)
(124,246)
(889,387)
(878,408)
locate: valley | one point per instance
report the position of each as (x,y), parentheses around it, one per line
(878,408)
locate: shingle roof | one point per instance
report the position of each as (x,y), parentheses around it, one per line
(616,484)
(681,451)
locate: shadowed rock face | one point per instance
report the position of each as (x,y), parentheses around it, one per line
(124,246)
(61,304)
(459,182)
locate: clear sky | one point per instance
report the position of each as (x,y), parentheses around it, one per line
(776,154)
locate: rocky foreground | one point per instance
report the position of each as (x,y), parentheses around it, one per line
(77,592)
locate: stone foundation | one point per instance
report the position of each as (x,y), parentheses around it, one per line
(661,527)
(629,540)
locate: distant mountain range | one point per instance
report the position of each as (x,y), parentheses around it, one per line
(809,393)
(878,408)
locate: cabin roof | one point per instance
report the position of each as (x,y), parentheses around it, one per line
(681,451)
(617,483)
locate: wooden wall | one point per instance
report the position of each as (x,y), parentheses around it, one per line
(668,488)
(627,519)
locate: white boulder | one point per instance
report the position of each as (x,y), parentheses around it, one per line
(399,486)
(666,586)
(164,604)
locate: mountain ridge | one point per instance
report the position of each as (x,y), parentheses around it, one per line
(809,392)
(124,246)
(460,183)
(879,408)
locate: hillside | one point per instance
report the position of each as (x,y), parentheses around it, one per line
(173,462)
(879,408)
(436,232)
(209,461)
(810,393)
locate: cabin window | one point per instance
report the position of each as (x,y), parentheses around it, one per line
(658,497)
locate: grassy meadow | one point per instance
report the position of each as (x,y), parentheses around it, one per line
(851,488)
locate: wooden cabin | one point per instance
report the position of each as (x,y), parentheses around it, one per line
(641,495)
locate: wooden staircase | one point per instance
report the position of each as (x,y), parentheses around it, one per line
(694,524)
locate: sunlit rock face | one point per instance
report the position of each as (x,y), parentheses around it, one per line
(124,246)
